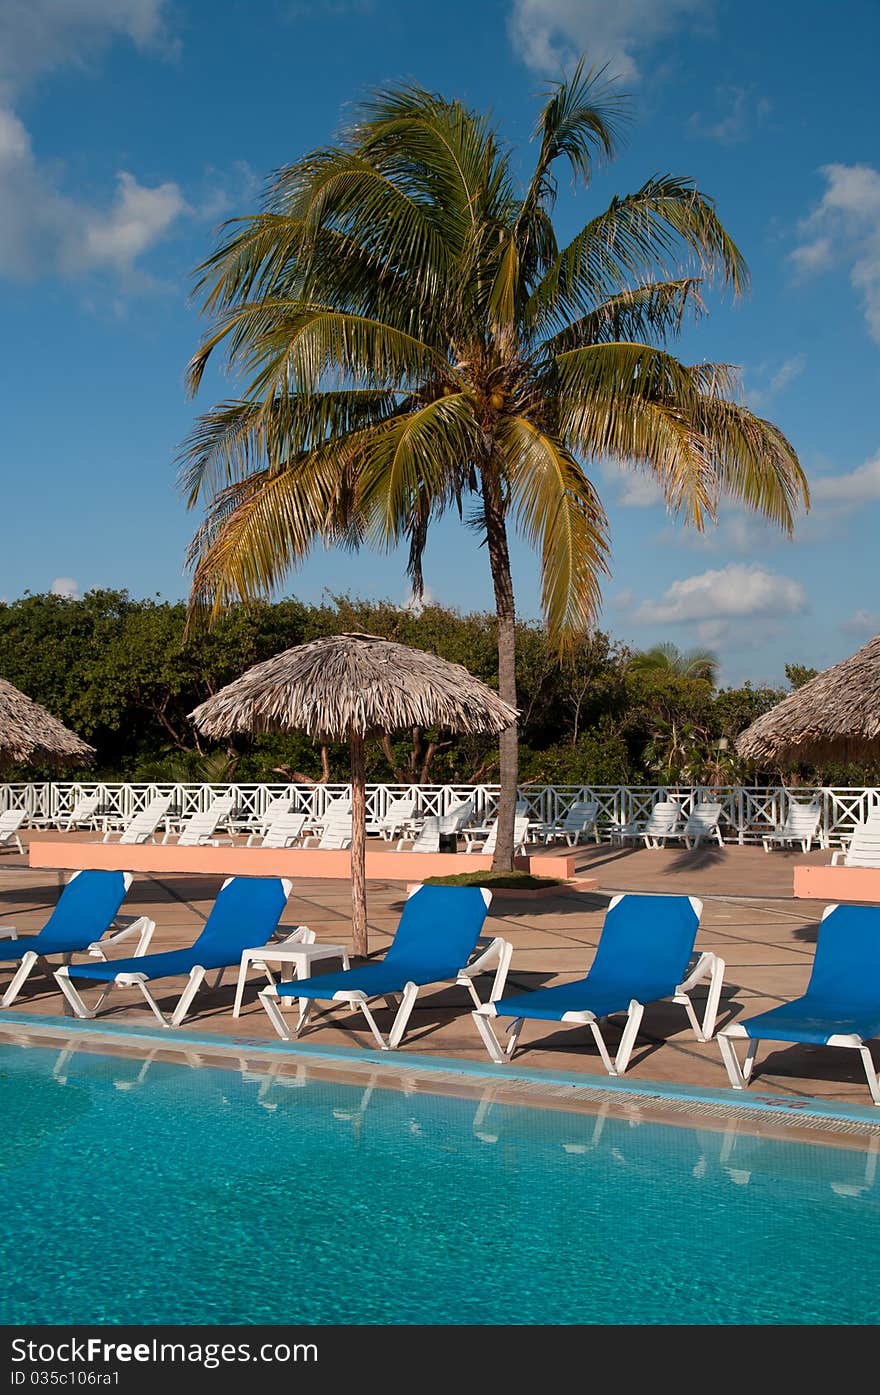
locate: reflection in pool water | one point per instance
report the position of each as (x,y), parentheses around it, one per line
(142,1190)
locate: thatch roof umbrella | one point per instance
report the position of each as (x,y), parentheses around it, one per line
(346,688)
(835,716)
(28,732)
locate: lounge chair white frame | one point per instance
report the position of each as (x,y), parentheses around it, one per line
(316,823)
(144,825)
(579,822)
(335,835)
(708,966)
(702,822)
(436,826)
(427,840)
(863,848)
(140,981)
(141,925)
(665,816)
(396,819)
(800,825)
(484,840)
(284,831)
(199,828)
(490,949)
(11,821)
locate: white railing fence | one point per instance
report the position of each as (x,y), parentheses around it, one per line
(748,812)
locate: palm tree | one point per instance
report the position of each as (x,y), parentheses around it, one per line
(667,660)
(410,336)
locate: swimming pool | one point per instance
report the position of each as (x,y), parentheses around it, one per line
(140,1191)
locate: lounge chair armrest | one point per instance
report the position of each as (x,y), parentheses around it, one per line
(8,932)
(300,935)
(142,926)
(708,966)
(701,970)
(491,949)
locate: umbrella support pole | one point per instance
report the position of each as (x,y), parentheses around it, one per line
(358,844)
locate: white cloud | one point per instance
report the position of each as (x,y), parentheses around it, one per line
(863,623)
(859,486)
(45,230)
(37,36)
(844,229)
(736,591)
(777,381)
(66,586)
(741,113)
(136,219)
(552,34)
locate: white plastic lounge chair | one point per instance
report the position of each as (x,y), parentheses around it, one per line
(244,915)
(283,832)
(483,840)
(458,818)
(395,820)
(841,1006)
(82,922)
(579,823)
(436,826)
(664,817)
(143,826)
(82,815)
(277,806)
(336,833)
(438,940)
(701,822)
(316,823)
(644,954)
(11,821)
(800,825)
(863,849)
(427,839)
(200,828)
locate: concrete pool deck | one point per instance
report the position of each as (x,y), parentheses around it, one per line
(750,918)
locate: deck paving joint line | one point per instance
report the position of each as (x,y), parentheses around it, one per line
(803,1111)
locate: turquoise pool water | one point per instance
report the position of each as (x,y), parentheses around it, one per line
(149,1192)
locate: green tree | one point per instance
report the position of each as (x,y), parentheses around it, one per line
(799,674)
(410,335)
(668,659)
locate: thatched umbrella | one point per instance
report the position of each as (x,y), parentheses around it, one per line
(835,716)
(28,733)
(346,688)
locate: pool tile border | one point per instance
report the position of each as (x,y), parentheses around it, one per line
(778,1106)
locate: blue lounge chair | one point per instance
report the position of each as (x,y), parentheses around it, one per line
(87,909)
(245,915)
(644,951)
(841,1006)
(436,941)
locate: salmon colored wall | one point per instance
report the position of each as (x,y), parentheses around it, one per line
(833,884)
(273,862)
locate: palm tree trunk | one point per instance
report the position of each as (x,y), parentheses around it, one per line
(358,844)
(505,610)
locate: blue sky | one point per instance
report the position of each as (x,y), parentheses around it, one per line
(130,128)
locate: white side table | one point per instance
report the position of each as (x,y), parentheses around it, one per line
(300,956)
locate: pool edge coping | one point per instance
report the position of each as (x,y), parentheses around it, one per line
(776,1106)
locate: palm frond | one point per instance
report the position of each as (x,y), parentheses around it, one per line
(562,517)
(580,122)
(666,228)
(753,461)
(653,310)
